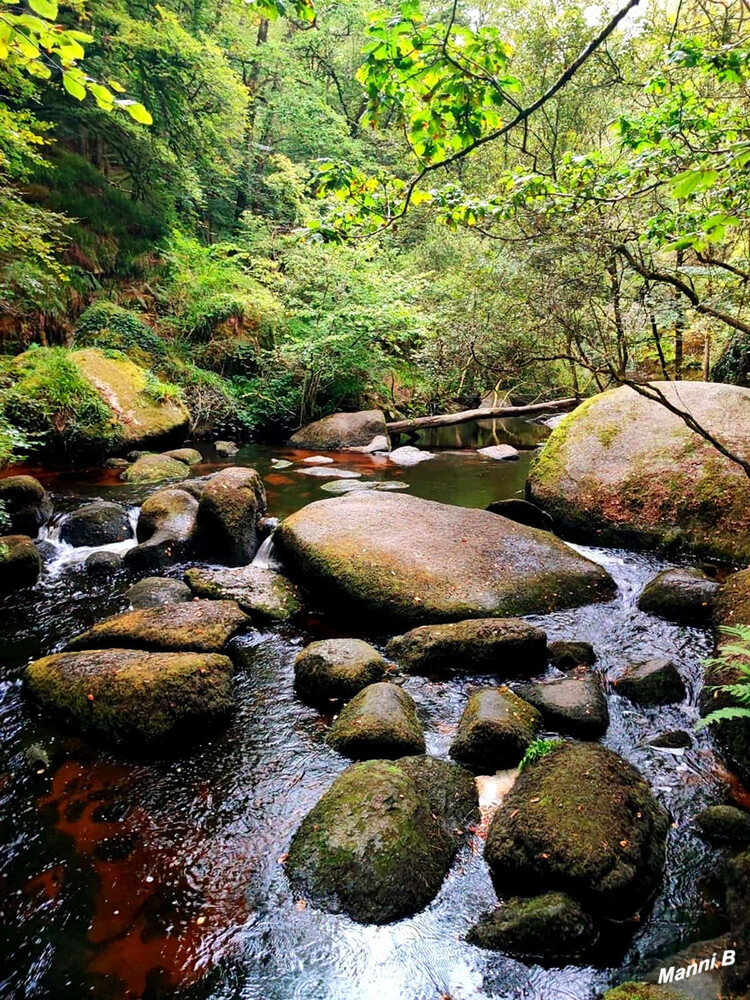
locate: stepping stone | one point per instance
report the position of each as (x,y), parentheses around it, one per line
(500,452)
(495,730)
(409,455)
(318,460)
(337,668)
(323,470)
(261,593)
(379,722)
(574,704)
(656,682)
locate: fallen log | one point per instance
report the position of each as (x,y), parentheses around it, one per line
(483,413)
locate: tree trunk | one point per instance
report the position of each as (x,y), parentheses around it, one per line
(483,413)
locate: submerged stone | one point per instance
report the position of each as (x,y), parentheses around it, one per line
(328,471)
(675,739)
(566,655)
(133,697)
(495,730)
(380,721)
(337,668)
(380,841)
(103,563)
(549,928)
(583,821)
(354,485)
(414,561)
(508,647)
(262,593)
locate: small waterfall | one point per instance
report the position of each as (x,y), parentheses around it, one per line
(267,557)
(66,555)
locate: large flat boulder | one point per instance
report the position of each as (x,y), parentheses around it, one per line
(379,843)
(415,561)
(624,470)
(133,697)
(341,431)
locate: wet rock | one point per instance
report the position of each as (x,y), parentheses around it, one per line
(495,730)
(415,561)
(103,563)
(195,487)
(116,463)
(47,550)
(134,698)
(328,471)
(644,991)
(380,443)
(229,510)
(197,626)
(380,841)
(583,821)
(737,880)
(522,512)
(155,469)
(656,682)
(20,563)
(676,739)
(341,431)
(500,452)
(284,463)
(685,596)
(26,503)
(354,485)
(164,531)
(318,460)
(575,705)
(133,456)
(337,668)
(190,456)
(566,655)
(547,928)
(509,647)
(156,591)
(623,470)
(724,825)
(408,455)
(381,721)
(97,523)
(263,594)
(693,981)
(227,449)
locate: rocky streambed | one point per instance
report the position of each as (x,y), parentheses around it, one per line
(235,864)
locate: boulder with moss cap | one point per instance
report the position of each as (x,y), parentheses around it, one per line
(25,503)
(380,721)
(262,593)
(337,668)
(495,730)
(164,530)
(231,505)
(20,563)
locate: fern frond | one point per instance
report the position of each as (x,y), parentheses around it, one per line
(723,715)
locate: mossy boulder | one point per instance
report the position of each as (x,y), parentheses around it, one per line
(341,431)
(103,563)
(264,594)
(190,456)
(565,654)
(134,698)
(548,928)
(164,530)
(724,825)
(155,469)
(20,563)
(198,626)
(624,470)
(380,841)
(495,730)
(583,821)
(231,505)
(337,668)
(414,561)
(96,523)
(644,991)
(685,596)
(575,705)
(655,682)
(380,721)
(156,591)
(508,647)
(26,504)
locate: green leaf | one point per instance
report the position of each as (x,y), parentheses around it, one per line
(73,87)
(139,113)
(45,8)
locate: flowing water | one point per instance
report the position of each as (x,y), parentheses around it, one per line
(126,879)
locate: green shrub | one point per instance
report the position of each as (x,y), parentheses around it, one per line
(536,750)
(105,324)
(734,657)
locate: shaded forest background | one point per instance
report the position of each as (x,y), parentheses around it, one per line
(251,235)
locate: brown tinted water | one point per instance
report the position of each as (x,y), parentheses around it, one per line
(152,879)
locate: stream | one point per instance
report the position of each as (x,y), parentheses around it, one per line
(123,879)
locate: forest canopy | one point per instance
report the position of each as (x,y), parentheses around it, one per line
(284,209)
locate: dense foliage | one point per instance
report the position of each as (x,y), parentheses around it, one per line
(285,209)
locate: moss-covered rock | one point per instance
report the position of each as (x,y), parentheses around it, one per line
(134,698)
(197,626)
(337,668)
(20,563)
(230,507)
(624,470)
(341,431)
(381,721)
(656,682)
(262,593)
(673,739)
(583,821)
(164,530)
(379,843)
(567,655)
(683,595)
(644,991)
(190,456)
(155,469)
(96,523)
(737,880)
(548,928)
(724,825)
(25,503)
(495,730)
(103,564)
(156,591)
(575,705)
(419,562)
(508,647)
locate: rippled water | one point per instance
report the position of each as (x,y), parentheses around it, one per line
(124,879)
